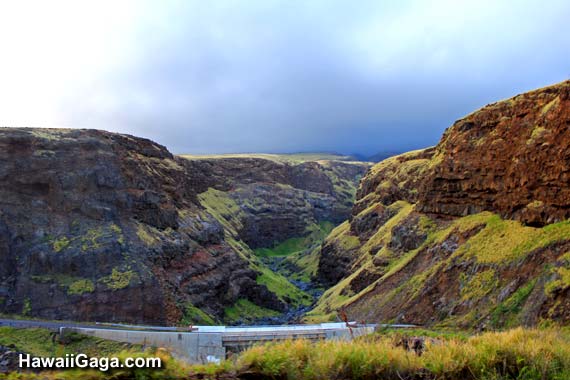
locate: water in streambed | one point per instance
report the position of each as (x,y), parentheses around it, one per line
(294,315)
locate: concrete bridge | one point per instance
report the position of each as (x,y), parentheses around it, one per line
(215,343)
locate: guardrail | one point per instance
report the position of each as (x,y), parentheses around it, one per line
(205,343)
(212,343)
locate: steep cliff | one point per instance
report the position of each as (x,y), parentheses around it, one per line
(511,157)
(275,200)
(472,232)
(277,212)
(107,227)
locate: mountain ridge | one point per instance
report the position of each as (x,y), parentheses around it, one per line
(472,233)
(108,227)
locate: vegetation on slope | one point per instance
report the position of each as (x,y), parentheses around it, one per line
(302,266)
(223,209)
(39,342)
(502,241)
(195,316)
(315,235)
(287,264)
(228,213)
(283,288)
(488,253)
(339,295)
(245,311)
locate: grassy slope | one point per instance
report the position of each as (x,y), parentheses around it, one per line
(337,297)
(39,342)
(500,243)
(307,262)
(245,311)
(316,234)
(228,213)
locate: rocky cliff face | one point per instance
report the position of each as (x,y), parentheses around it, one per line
(473,232)
(106,227)
(511,157)
(275,200)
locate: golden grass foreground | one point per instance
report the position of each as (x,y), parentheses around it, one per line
(522,354)
(514,354)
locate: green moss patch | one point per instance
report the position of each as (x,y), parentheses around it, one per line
(562,276)
(60,244)
(246,311)
(341,237)
(224,209)
(507,312)
(89,240)
(478,285)
(193,315)
(73,285)
(81,287)
(286,291)
(119,280)
(316,234)
(27,307)
(308,264)
(146,235)
(284,248)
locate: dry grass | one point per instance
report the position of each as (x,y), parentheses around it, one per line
(520,353)
(515,354)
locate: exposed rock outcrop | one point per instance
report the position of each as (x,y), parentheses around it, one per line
(277,200)
(473,232)
(511,157)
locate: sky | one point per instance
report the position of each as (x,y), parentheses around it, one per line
(221,76)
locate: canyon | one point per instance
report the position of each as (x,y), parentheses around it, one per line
(471,233)
(97,226)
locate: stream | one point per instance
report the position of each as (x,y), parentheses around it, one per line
(293,315)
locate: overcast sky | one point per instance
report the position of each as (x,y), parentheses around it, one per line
(274,76)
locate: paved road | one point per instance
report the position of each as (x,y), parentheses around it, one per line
(51,325)
(56,325)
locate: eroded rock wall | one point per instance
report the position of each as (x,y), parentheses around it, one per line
(472,233)
(511,157)
(106,227)
(277,200)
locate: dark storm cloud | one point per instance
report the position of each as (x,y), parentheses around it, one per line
(353,77)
